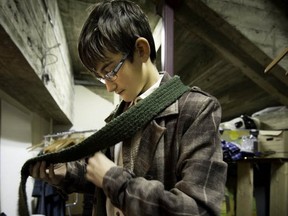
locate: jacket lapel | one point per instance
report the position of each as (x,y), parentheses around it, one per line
(150,139)
(151,135)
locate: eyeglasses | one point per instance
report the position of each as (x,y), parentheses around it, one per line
(112,75)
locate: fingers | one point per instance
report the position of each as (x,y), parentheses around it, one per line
(33,169)
(42,171)
(37,169)
(51,173)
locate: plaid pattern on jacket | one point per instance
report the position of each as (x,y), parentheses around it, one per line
(178,169)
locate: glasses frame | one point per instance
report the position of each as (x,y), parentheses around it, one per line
(112,75)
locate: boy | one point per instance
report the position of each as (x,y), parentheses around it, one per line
(173,165)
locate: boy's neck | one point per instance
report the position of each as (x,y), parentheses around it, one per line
(152,75)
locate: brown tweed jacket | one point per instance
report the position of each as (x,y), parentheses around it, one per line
(178,169)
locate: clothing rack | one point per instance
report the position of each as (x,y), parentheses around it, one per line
(57,141)
(74,203)
(61,134)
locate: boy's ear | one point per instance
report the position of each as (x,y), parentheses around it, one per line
(142,48)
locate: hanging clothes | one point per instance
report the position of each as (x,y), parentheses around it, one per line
(87,204)
(49,201)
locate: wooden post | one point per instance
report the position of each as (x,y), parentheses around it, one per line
(278,189)
(167,48)
(244,199)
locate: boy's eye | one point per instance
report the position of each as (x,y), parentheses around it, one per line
(97,75)
(106,72)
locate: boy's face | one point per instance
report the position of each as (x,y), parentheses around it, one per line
(132,78)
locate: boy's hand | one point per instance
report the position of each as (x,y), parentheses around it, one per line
(52,174)
(97,167)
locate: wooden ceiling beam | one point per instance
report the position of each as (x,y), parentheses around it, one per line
(201,20)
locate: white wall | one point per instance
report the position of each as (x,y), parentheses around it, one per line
(15,138)
(19,128)
(90,110)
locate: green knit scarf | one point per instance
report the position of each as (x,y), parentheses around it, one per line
(120,128)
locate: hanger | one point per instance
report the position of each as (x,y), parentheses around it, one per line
(275,61)
(59,141)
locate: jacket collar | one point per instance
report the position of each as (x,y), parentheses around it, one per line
(122,105)
(151,135)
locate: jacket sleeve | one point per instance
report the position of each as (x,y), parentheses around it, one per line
(200,169)
(75,180)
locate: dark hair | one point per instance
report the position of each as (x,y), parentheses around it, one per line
(113,26)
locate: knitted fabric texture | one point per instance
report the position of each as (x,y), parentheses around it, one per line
(120,128)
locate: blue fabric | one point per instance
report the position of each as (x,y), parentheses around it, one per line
(49,200)
(231,152)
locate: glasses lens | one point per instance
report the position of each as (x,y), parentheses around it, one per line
(101,80)
(111,76)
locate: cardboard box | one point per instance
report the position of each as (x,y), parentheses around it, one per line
(273,141)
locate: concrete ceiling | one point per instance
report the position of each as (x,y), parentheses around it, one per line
(221,46)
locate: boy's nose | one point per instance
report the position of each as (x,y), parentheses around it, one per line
(110,86)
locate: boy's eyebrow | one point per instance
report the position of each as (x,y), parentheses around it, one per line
(105,65)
